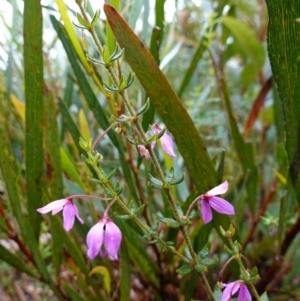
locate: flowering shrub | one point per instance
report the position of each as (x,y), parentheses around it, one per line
(138,170)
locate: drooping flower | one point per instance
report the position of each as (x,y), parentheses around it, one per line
(69,211)
(209,199)
(104,238)
(166,141)
(232,288)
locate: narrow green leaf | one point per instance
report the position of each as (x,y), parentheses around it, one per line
(185,269)
(247,40)
(166,102)
(82,21)
(155,183)
(282,214)
(170,175)
(200,268)
(244,151)
(102,270)
(73,293)
(204,252)
(284,49)
(221,166)
(125,273)
(200,49)
(137,254)
(23,221)
(96,17)
(34,113)
(54,180)
(177,181)
(69,167)
(16,262)
(218,291)
(209,261)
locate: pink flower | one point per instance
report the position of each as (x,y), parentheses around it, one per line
(143,152)
(104,235)
(69,211)
(209,199)
(166,141)
(232,288)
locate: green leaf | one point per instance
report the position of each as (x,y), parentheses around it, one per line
(177,181)
(125,279)
(138,255)
(218,291)
(73,293)
(96,17)
(221,166)
(168,221)
(200,268)
(166,102)
(247,40)
(123,217)
(185,269)
(204,252)
(209,261)
(284,49)
(29,236)
(102,270)
(34,112)
(253,272)
(282,215)
(244,151)
(202,46)
(69,167)
(264,297)
(82,21)
(16,262)
(139,209)
(155,183)
(170,175)
(54,183)
(144,108)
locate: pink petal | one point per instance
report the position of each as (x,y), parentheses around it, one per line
(220,189)
(167,145)
(69,216)
(77,215)
(244,294)
(143,152)
(153,144)
(112,239)
(156,129)
(95,239)
(53,206)
(206,212)
(230,290)
(221,205)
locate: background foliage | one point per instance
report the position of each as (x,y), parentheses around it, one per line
(229,121)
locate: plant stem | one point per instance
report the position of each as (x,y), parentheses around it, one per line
(145,227)
(244,271)
(156,164)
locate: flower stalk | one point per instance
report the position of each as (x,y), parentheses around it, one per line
(166,187)
(244,271)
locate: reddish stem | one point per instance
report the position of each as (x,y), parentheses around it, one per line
(261,212)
